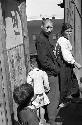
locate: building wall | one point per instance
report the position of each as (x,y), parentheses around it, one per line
(14,55)
(73,16)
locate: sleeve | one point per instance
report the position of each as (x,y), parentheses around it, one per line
(45,60)
(46,82)
(66,53)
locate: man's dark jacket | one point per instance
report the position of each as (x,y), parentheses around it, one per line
(45,54)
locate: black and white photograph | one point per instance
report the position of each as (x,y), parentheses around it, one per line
(40,62)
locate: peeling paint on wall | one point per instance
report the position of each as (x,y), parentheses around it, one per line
(13,30)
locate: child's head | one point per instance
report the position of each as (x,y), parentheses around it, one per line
(23,94)
(33,63)
(66,30)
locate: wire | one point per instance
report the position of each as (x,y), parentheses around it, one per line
(73,1)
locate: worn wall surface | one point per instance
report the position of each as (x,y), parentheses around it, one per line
(5,91)
(14,55)
(74,17)
(17,45)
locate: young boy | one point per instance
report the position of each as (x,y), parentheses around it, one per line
(39,80)
(26,114)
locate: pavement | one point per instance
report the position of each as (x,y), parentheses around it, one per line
(71,114)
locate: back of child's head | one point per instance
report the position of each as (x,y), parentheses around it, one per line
(23,94)
(33,63)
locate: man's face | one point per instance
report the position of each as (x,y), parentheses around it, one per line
(48,26)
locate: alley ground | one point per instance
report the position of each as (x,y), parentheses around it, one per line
(69,115)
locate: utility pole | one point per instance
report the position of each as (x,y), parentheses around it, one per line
(73,15)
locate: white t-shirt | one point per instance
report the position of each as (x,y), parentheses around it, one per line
(66,49)
(39,80)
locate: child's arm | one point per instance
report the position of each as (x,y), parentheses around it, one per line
(29,79)
(34,97)
(66,49)
(46,82)
(67,55)
(77,65)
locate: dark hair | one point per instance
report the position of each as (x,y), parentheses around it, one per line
(44,20)
(33,62)
(65,26)
(22,94)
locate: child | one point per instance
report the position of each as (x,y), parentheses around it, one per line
(68,82)
(26,114)
(39,80)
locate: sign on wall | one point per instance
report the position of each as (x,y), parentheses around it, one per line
(17,67)
(13,30)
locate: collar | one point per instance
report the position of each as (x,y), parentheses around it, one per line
(45,34)
(36,69)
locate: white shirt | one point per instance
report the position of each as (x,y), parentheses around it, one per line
(66,49)
(39,80)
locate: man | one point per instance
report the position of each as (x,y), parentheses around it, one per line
(48,63)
